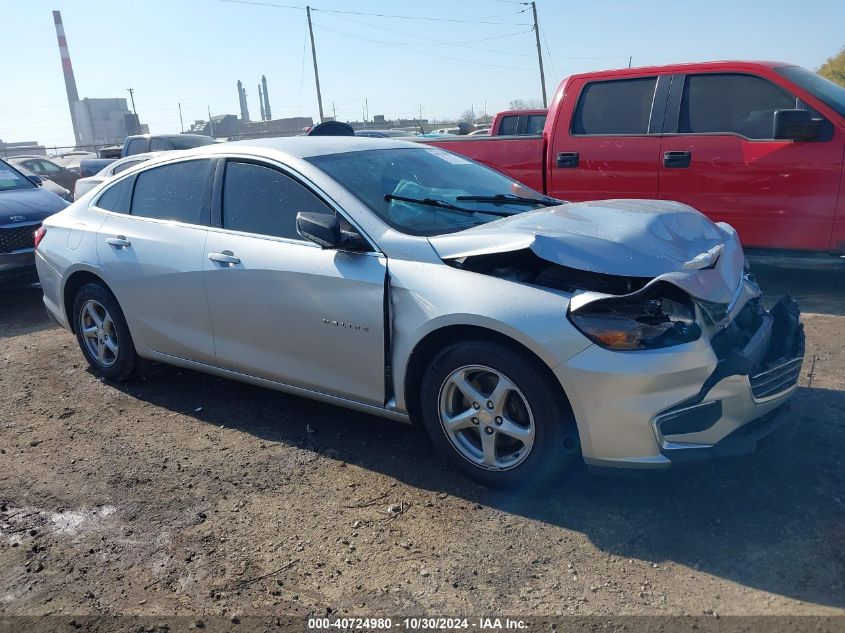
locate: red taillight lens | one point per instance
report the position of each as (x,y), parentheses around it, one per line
(40,232)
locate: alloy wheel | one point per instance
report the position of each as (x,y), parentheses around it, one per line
(486,417)
(99,333)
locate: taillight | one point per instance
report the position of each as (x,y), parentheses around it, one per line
(40,232)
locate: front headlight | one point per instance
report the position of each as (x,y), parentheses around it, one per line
(661,319)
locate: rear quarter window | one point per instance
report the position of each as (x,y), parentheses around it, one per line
(118,197)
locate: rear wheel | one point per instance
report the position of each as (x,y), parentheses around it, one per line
(495,415)
(102,333)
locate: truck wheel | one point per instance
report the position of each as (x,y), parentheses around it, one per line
(102,333)
(494,415)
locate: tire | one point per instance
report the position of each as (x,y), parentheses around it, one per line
(119,360)
(532,410)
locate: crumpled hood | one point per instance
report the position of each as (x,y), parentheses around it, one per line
(657,239)
(33,204)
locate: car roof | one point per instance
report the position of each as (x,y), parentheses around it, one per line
(307,146)
(167,136)
(726,66)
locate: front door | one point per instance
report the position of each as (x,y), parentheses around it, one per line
(612,147)
(151,251)
(282,308)
(719,157)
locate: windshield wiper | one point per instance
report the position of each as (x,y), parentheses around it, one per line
(501,198)
(442,204)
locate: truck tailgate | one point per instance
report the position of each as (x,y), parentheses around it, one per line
(520,157)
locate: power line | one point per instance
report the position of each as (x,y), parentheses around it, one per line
(411,50)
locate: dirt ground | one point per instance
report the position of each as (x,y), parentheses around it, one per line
(185,494)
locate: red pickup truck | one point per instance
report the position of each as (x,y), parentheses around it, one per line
(518,122)
(759,145)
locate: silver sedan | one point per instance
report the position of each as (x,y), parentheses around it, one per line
(526,334)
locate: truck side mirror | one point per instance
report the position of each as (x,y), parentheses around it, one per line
(796,125)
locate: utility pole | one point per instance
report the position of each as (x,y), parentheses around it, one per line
(630,59)
(131,92)
(334,112)
(181,124)
(539,54)
(314,57)
(210,122)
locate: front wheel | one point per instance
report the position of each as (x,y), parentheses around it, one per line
(102,333)
(494,414)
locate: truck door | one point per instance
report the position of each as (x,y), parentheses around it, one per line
(606,139)
(719,156)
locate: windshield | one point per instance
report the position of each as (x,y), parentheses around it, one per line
(823,89)
(413,189)
(11,179)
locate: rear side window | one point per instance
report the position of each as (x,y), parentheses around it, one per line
(535,124)
(126,165)
(508,125)
(118,197)
(173,192)
(160,144)
(620,107)
(731,104)
(262,200)
(136,146)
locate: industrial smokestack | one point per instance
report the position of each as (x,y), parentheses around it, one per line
(242,100)
(67,68)
(261,103)
(266,99)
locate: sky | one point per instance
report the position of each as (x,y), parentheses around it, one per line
(465,54)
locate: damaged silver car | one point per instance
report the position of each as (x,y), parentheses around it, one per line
(524,333)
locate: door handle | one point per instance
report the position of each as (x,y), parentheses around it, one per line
(118,241)
(226,257)
(567,160)
(677,160)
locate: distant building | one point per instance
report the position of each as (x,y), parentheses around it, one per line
(21,148)
(224,125)
(277,127)
(104,121)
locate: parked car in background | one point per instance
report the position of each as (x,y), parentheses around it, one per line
(49,185)
(519,123)
(144,143)
(71,160)
(47,169)
(522,332)
(759,145)
(84,185)
(23,207)
(485,131)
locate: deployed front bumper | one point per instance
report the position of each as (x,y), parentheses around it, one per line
(713,397)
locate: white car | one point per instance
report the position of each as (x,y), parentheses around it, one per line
(84,185)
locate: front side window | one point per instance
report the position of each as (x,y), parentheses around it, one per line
(49,168)
(411,189)
(508,126)
(619,107)
(262,200)
(173,192)
(118,197)
(732,104)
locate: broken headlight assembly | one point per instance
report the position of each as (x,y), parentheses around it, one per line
(638,322)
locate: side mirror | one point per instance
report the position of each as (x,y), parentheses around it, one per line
(795,125)
(36,180)
(320,228)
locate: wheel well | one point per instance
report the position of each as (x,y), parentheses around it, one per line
(432,343)
(72,286)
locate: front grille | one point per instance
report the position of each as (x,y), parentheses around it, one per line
(777,379)
(17,238)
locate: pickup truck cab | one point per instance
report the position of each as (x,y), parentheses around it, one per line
(758,145)
(143,143)
(519,123)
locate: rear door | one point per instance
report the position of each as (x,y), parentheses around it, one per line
(283,308)
(718,155)
(151,250)
(606,139)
